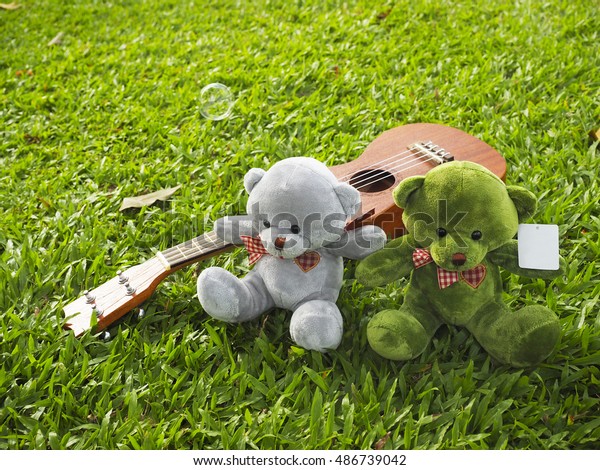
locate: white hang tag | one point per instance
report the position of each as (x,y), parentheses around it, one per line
(538,246)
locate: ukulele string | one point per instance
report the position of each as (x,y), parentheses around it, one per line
(107,296)
(376,172)
(138,276)
(149,270)
(372,172)
(210,241)
(398,170)
(404,152)
(178,248)
(201,246)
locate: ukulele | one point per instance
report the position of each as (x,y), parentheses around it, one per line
(398,153)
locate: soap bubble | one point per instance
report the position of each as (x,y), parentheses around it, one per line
(216,101)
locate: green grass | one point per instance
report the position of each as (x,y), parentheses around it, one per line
(113,111)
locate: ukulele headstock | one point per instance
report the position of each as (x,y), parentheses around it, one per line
(98,308)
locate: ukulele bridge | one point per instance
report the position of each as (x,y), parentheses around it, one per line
(432,152)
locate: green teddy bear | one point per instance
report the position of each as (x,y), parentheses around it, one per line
(461,220)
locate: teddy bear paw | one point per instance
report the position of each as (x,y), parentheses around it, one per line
(317,325)
(396,335)
(374,236)
(537,336)
(218,294)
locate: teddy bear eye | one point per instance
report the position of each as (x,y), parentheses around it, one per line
(442,232)
(295,229)
(266,223)
(476,235)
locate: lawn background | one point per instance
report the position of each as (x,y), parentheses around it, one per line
(112,111)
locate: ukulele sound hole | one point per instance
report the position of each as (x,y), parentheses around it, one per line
(372,181)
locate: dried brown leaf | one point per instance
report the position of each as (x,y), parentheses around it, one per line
(9,6)
(57,39)
(384,14)
(380,444)
(148,199)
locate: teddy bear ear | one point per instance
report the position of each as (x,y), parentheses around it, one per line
(524,201)
(252,177)
(406,188)
(349,197)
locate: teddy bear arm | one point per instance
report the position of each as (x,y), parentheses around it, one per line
(507,257)
(231,228)
(387,265)
(359,243)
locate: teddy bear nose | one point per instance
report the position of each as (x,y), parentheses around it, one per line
(458,259)
(279,242)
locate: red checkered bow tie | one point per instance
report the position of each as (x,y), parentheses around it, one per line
(473,277)
(256,251)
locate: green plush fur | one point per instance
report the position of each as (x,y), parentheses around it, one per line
(479,216)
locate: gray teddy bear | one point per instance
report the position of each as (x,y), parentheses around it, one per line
(295,232)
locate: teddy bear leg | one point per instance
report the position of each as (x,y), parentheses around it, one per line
(401,334)
(225,297)
(521,339)
(317,325)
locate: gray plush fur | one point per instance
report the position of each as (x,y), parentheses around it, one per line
(303,202)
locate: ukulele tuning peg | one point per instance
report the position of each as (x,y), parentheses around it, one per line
(141,314)
(122,278)
(106,336)
(89,298)
(96,310)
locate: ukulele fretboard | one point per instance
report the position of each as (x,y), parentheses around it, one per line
(203,246)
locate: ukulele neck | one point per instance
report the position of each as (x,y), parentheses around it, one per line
(194,250)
